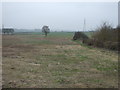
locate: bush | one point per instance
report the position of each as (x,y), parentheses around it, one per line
(79,36)
(111,45)
(89,42)
(106,37)
(103,33)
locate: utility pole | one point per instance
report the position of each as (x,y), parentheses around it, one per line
(84,25)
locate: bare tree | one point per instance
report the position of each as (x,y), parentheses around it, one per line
(46,30)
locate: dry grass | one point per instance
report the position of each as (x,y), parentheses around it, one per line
(31,61)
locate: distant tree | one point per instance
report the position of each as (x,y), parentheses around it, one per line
(46,30)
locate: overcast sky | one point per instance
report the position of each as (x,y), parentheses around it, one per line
(59,15)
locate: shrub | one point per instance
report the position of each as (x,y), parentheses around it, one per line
(89,42)
(79,36)
(106,37)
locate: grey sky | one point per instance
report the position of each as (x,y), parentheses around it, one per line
(59,16)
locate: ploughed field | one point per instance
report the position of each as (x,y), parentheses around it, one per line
(56,61)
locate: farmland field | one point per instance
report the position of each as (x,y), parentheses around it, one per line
(56,61)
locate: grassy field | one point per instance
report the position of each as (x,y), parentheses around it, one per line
(56,61)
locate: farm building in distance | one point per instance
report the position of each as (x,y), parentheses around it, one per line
(7,30)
